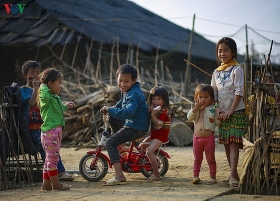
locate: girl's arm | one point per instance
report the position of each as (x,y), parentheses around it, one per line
(162,119)
(159,123)
(44,93)
(194,111)
(227,114)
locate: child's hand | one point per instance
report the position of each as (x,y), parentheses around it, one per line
(104,109)
(35,83)
(70,104)
(197,105)
(153,112)
(219,112)
(226,115)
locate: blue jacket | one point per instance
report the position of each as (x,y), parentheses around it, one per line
(133,109)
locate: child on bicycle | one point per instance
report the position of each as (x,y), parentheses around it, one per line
(133,110)
(204,117)
(160,126)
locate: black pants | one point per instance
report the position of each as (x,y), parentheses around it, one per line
(120,136)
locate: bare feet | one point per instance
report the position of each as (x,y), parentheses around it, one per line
(46,188)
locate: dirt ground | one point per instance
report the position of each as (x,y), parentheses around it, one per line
(176,184)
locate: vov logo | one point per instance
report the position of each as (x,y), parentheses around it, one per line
(14,8)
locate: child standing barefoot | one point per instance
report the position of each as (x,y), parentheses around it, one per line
(228,83)
(203,115)
(51,130)
(160,126)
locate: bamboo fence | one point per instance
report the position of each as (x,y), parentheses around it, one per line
(261,161)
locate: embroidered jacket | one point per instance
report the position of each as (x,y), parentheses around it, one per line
(209,120)
(227,84)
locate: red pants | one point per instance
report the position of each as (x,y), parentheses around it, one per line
(207,144)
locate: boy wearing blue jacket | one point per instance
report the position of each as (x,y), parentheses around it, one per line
(133,110)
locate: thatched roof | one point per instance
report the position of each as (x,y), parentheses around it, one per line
(61,21)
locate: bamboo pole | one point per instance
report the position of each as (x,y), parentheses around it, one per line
(98,67)
(197,67)
(76,48)
(118,51)
(67,40)
(188,69)
(137,61)
(156,61)
(127,54)
(111,63)
(162,71)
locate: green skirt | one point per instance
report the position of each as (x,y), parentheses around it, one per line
(234,128)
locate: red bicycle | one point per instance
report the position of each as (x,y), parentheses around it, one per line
(94,164)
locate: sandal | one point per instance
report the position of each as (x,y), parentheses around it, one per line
(233,182)
(226,180)
(66,177)
(154,178)
(113,182)
(64,187)
(196,180)
(211,181)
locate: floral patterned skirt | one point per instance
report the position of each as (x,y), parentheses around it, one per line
(233,129)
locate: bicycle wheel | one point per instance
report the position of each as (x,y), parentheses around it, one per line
(163,165)
(96,172)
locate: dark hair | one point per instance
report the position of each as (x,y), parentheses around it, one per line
(201,88)
(49,75)
(27,65)
(161,92)
(127,69)
(231,43)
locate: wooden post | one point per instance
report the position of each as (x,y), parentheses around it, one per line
(118,51)
(162,72)
(131,56)
(137,62)
(156,61)
(188,68)
(246,63)
(111,63)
